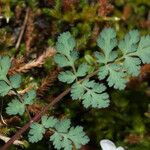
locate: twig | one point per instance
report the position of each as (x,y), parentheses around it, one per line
(22,31)
(1,113)
(38,116)
(21,92)
(6,139)
(3,121)
(29,33)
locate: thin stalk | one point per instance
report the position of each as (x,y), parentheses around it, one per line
(22,31)
(35,119)
(39,115)
(73,67)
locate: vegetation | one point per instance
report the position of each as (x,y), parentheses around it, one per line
(56,55)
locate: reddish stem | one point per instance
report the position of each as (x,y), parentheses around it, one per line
(36,118)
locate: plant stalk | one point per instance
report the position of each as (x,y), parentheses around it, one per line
(39,115)
(34,119)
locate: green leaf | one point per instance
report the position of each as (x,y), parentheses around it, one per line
(82,70)
(116,76)
(63,125)
(5,64)
(56,138)
(74,56)
(15,107)
(77,91)
(91,93)
(78,136)
(103,72)
(132,65)
(129,64)
(4,88)
(67,144)
(102,59)
(59,138)
(61,60)
(65,47)
(36,132)
(15,81)
(129,43)
(65,43)
(131,49)
(117,80)
(66,76)
(143,50)
(48,122)
(29,97)
(95,95)
(65,137)
(107,41)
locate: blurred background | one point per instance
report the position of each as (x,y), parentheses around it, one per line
(28,28)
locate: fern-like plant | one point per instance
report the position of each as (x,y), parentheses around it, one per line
(116,62)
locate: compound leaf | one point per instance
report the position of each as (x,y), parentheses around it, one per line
(15,107)
(95,95)
(36,132)
(91,93)
(66,136)
(59,138)
(48,122)
(77,135)
(66,76)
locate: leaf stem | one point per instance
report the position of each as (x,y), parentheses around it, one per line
(73,67)
(39,115)
(34,119)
